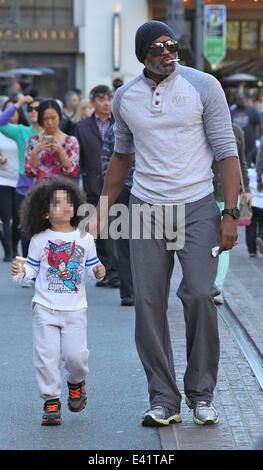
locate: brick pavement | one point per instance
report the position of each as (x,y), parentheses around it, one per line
(243,289)
(238,396)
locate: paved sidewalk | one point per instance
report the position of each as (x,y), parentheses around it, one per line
(238,396)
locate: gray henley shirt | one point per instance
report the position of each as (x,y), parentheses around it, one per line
(175,129)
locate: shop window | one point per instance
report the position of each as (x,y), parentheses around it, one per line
(38,13)
(232,41)
(249,35)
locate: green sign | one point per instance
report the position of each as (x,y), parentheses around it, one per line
(214,33)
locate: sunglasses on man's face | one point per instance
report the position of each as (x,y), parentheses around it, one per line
(33,108)
(157,48)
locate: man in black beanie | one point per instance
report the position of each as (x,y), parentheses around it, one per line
(146,35)
(176,120)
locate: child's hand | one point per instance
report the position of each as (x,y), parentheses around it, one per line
(16,270)
(3,159)
(99,271)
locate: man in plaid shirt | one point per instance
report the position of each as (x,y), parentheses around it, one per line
(122,245)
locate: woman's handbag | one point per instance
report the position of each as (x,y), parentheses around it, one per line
(245,210)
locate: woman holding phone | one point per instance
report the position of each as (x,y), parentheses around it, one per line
(14,126)
(52,152)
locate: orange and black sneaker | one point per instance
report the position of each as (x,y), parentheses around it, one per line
(77,397)
(52,415)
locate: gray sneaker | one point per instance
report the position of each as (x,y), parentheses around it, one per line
(161,416)
(204,412)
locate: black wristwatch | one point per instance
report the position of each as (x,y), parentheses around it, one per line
(235,213)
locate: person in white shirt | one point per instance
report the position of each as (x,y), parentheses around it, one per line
(8,181)
(58,259)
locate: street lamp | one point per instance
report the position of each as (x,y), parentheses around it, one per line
(116,40)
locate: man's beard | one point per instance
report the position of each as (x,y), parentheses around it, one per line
(160,69)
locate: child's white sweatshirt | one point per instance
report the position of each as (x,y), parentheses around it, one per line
(59,261)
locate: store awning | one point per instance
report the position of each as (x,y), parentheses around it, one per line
(246,66)
(25,71)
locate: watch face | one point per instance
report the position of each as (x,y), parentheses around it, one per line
(236,213)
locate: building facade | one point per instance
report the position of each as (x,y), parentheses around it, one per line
(106,40)
(74,38)
(35,34)
(87,43)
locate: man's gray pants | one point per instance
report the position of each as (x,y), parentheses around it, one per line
(152,266)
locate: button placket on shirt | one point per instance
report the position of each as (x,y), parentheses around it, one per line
(157,100)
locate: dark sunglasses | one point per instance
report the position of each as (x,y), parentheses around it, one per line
(157,48)
(30,109)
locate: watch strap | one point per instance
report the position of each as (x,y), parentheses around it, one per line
(230,211)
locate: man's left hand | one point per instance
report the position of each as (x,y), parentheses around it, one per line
(227,234)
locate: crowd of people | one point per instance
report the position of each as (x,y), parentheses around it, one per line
(40,138)
(43,137)
(54,155)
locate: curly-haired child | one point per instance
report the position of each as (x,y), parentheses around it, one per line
(58,258)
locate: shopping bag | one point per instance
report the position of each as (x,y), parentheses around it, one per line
(245,213)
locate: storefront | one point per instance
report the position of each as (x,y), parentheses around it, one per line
(244,31)
(243,47)
(87,42)
(37,34)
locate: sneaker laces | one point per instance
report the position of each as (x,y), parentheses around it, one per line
(52,407)
(200,404)
(74,392)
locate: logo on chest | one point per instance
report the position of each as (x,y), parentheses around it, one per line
(180,99)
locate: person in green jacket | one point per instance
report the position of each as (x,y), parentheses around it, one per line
(20,133)
(224,257)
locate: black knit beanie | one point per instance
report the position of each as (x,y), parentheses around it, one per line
(147,34)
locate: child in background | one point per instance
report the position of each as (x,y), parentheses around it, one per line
(254,231)
(58,258)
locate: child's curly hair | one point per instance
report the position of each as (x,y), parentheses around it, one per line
(36,204)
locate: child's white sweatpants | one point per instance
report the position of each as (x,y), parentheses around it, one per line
(59,335)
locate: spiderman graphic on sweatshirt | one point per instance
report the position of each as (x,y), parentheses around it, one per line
(61,265)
